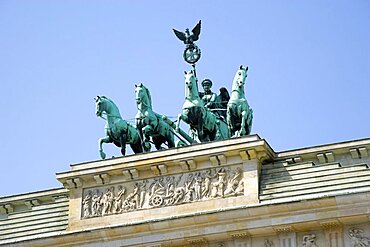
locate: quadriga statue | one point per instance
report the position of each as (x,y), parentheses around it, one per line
(239,113)
(117,130)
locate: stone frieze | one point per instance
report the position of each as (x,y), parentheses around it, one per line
(162,191)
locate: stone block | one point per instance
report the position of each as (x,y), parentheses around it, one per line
(363,152)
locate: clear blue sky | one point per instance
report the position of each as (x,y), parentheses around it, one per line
(308,83)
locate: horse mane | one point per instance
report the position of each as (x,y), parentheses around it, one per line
(148,94)
(108,99)
(111,101)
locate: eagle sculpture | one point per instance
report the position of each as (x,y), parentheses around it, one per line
(188,38)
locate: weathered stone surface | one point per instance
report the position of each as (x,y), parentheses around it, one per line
(235,192)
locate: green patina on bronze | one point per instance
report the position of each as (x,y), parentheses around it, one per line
(151,125)
(192,52)
(239,113)
(210,116)
(204,124)
(117,130)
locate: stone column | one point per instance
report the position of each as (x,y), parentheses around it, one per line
(241,239)
(333,233)
(287,236)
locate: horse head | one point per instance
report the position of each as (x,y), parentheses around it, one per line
(191,88)
(239,79)
(100,105)
(143,95)
(107,106)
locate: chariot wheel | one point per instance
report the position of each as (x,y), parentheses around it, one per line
(192,54)
(157,201)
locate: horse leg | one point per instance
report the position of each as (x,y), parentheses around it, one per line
(102,140)
(200,126)
(249,120)
(136,147)
(158,140)
(170,140)
(123,144)
(147,130)
(179,117)
(136,144)
(243,126)
(229,119)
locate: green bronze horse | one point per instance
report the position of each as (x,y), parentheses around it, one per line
(239,113)
(149,123)
(207,125)
(117,130)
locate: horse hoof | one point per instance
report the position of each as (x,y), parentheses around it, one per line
(102,155)
(147,146)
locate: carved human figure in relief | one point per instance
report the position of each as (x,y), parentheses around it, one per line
(197,186)
(87,205)
(218,187)
(131,201)
(157,187)
(141,193)
(107,201)
(170,190)
(179,195)
(357,238)
(206,188)
(117,204)
(309,241)
(268,243)
(174,193)
(235,185)
(96,204)
(189,189)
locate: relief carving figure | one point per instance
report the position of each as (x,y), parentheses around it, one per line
(87,205)
(309,241)
(171,196)
(206,189)
(189,189)
(357,238)
(179,195)
(107,201)
(197,186)
(218,187)
(142,192)
(96,205)
(117,204)
(235,185)
(132,200)
(268,243)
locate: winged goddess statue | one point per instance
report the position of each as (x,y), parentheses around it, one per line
(192,52)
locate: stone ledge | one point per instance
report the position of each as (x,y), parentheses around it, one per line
(167,162)
(229,220)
